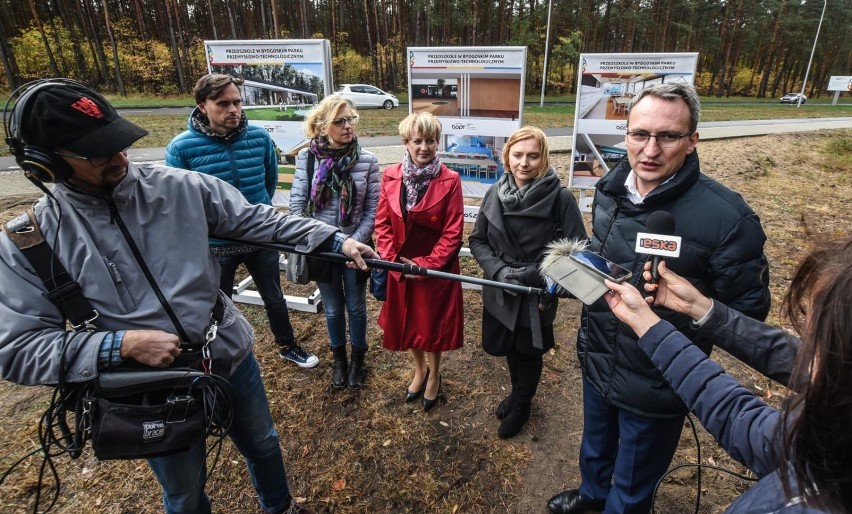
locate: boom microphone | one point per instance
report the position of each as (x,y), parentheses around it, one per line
(659,241)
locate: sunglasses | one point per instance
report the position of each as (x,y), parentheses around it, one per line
(96,162)
(341,122)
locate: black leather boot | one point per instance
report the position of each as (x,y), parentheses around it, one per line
(505,406)
(356,368)
(514,421)
(338,372)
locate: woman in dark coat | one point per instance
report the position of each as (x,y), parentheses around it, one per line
(520,215)
(420,221)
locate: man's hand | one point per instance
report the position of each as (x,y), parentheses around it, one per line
(676,293)
(357,252)
(150,347)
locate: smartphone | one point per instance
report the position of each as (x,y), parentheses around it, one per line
(601,266)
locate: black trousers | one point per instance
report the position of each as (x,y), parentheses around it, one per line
(525,372)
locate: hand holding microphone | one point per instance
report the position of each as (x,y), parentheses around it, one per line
(659,241)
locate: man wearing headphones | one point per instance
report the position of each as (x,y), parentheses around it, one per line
(135,239)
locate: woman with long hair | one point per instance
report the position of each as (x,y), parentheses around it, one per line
(801,453)
(520,215)
(420,220)
(337,182)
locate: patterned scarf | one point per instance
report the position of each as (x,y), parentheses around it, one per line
(333,177)
(201,123)
(416,180)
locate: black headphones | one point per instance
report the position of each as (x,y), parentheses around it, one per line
(38,163)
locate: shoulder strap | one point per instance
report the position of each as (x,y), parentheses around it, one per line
(62,290)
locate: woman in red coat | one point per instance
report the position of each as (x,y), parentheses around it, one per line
(419,221)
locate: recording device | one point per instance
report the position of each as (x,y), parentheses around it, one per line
(659,241)
(580,271)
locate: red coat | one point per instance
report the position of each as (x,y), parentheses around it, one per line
(422,313)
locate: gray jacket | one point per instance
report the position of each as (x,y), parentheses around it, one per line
(365,173)
(168,214)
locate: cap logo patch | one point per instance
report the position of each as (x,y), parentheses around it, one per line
(88,107)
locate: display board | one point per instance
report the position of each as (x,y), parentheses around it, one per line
(478,94)
(606,85)
(284,78)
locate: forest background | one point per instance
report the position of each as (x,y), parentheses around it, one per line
(756,48)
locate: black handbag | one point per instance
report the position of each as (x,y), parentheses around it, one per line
(143,414)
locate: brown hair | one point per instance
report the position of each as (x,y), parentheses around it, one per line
(320,116)
(815,427)
(211,85)
(522,134)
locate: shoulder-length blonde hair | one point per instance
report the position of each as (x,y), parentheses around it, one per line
(522,134)
(320,116)
(424,123)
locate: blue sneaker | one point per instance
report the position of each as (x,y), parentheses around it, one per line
(295,354)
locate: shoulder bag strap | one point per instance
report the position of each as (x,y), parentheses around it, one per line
(62,290)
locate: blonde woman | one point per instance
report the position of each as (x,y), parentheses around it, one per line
(343,191)
(520,215)
(420,219)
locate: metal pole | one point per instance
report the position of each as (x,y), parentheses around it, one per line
(811,60)
(407,269)
(547,53)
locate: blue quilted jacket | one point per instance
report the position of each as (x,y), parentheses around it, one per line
(247,161)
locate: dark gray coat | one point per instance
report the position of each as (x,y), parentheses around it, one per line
(517,238)
(721,255)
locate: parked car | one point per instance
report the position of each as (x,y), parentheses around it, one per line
(364,95)
(793,98)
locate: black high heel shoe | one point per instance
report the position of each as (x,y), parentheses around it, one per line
(410,397)
(427,403)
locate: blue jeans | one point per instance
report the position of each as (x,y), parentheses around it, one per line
(262,265)
(344,288)
(623,454)
(181,475)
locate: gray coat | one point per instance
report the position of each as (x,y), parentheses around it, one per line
(516,238)
(168,213)
(365,173)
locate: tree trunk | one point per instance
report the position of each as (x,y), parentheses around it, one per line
(115,60)
(212,19)
(40,27)
(10,67)
(173,45)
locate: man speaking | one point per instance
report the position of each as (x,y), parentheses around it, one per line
(632,421)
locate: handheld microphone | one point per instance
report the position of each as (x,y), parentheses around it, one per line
(659,241)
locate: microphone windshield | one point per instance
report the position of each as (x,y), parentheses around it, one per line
(661,222)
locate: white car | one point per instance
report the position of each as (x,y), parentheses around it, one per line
(793,98)
(364,95)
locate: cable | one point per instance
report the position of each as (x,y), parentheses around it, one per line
(698,465)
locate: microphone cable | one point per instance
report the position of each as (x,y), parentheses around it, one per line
(699,467)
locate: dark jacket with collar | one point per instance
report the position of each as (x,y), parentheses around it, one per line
(721,254)
(517,238)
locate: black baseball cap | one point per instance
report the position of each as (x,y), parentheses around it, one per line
(75,118)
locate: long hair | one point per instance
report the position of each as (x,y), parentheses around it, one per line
(817,449)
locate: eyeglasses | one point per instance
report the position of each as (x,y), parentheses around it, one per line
(96,162)
(341,122)
(664,140)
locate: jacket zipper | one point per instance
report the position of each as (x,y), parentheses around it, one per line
(114,218)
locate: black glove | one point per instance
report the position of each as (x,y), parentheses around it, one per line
(528,276)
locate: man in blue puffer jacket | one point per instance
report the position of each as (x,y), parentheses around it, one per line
(220,142)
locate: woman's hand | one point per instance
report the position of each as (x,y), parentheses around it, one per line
(676,293)
(628,305)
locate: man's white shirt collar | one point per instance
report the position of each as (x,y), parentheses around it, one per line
(633,193)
